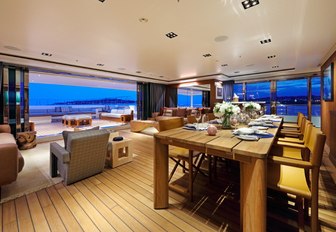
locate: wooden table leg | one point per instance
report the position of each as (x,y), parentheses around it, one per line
(253,189)
(160,175)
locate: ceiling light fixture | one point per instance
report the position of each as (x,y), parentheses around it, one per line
(275,66)
(171,35)
(224,65)
(101,0)
(270,57)
(249,3)
(46,54)
(265,41)
(143,20)
(207,55)
(100,65)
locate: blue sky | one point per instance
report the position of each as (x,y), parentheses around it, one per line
(42,94)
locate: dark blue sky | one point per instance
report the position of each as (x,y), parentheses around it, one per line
(43,94)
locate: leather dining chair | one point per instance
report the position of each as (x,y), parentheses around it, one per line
(288,175)
(181,156)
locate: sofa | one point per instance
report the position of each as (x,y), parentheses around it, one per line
(119,115)
(83,155)
(11,160)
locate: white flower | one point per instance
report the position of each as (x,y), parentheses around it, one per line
(252,106)
(225,108)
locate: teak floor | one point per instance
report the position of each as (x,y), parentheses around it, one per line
(120,199)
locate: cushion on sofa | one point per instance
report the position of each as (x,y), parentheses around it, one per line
(7,138)
(66,134)
(168,112)
(127,111)
(181,112)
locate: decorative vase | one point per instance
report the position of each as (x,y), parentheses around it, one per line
(226,123)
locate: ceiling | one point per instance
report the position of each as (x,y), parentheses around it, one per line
(127,39)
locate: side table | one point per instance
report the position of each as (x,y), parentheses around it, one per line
(122,152)
(26,140)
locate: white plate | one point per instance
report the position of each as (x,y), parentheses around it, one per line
(248,137)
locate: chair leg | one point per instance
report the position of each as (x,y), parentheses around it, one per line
(190,175)
(299,204)
(174,169)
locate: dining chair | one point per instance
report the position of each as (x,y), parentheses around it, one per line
(191,119)
(299,138)
(181,156)
(287,147)
(293,125)
(288,175)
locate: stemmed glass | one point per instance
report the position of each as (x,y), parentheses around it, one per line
(198,117)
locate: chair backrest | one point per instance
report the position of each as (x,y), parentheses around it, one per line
(191,119)
(211,116)
(307,131)
(300,118)
(315,144)
(171,123)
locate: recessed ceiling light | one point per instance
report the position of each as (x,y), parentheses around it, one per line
(249,3)
(265,41)
(171,35)
(275,66)
(46,54)
(138,71)
(100,65)
(224,65)
(143,20)
(270,57)
(207,55)
(161,76)
(12,48)
(237,72)
(101,0)
(221,38)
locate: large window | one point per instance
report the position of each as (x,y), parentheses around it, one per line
(56,99)
(189,97)
(238,90)
(259,91)
(292,97)
(316,101)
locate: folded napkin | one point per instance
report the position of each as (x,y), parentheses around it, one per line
(196,126)
(246,134)
(260,123)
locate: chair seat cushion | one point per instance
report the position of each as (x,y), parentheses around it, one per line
(288,179)
(178,152)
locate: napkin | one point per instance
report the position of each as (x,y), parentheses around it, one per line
(196,126)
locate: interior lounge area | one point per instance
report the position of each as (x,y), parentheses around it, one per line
(179,115)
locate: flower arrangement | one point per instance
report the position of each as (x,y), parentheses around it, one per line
(252,106)
(225,109)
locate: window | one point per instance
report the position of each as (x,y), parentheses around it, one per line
(259,91)
(316,101)
(238,90)
(292,97)
(187,97)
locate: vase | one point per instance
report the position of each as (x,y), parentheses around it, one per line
(226,123)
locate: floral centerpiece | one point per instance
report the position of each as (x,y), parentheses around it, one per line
(251,108)
(224,111)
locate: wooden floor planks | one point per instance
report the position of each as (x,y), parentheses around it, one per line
(120,199)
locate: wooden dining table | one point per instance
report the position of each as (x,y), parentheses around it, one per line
(252,156)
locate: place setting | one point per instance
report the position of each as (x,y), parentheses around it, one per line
(251,134)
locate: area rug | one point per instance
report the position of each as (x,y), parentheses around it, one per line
(34,176)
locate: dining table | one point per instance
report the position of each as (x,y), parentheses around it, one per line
(252,156)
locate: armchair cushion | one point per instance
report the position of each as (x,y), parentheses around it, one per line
(67,133)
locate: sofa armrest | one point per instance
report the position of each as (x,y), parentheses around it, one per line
(58,151)
(9,163)
(5,128)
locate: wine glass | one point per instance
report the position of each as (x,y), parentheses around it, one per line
(198,116)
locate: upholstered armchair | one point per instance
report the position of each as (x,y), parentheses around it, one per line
(83,156)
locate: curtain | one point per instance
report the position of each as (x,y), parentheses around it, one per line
(171,96)
(228,90)
(205,98)
(150,98)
